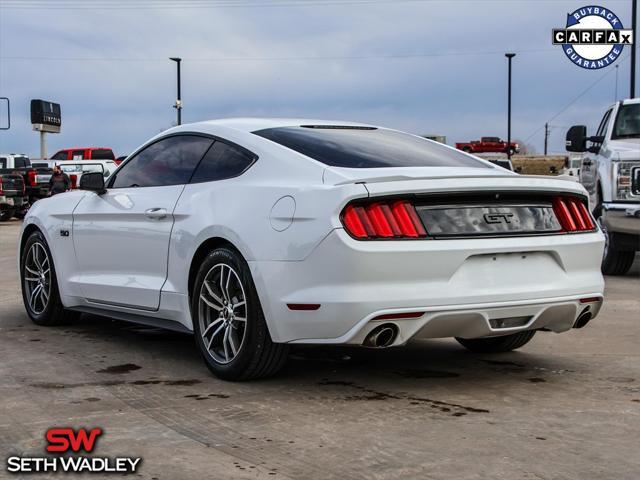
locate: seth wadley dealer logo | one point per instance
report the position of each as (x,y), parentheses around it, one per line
(593,38)
(70,442)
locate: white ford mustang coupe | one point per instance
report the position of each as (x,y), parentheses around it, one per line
(255,234)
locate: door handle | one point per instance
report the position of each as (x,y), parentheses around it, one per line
(156,213)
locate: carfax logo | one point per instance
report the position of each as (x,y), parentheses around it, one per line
(593,38)
(69,442)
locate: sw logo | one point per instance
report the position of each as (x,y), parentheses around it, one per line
(593,37)
(68,441)
(65,439)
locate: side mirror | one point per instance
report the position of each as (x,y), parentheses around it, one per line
(576,139)
(93,181)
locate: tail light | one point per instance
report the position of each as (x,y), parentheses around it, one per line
(572,214)
(392,219)
(32,178)
(1,190)
(374,219)
(74,180)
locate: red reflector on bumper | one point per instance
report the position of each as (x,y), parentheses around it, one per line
(590,299)
(303,306)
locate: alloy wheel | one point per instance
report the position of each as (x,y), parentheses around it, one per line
(222,313)
(37,278)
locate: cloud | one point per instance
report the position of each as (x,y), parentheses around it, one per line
(120,102)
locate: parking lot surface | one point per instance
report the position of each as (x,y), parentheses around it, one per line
(563,407)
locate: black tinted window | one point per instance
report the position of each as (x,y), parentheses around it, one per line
(3,162)
(367,148)
(627,122)
(222,161)
(169,161)
(60,156)
(22,162)
(102,154)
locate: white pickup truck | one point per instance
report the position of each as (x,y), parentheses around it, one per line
(610,172)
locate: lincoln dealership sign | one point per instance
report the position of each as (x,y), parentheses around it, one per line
(45,116)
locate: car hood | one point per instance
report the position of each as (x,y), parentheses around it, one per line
(626,148)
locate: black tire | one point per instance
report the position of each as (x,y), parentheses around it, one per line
(257,356)
(466,149)
(614,261)
(54,312)
(510,151)
(502,344)
(5,215)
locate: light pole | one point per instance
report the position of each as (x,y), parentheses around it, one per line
(509,57)
(178,105)
(634,14)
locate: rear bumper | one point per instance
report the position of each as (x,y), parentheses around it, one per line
(622,218)
(459,284)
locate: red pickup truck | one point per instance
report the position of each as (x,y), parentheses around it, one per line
(84,153)
(489,145)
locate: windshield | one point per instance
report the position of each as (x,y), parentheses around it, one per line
(627,122)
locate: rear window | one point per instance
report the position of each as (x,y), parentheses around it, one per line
(363,147)
(3,162)
(22,162)
(102,154)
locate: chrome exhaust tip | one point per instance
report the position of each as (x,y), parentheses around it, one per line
(382,336)
(583,318)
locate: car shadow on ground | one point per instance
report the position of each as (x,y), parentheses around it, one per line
(350,367)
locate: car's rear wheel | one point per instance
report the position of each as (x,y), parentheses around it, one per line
(228,322)
(40,292)
(501,344)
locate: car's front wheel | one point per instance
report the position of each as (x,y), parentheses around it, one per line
(5,215)
(39,283)
(505,343)
(228,322)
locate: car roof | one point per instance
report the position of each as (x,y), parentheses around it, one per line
(249,124)
(85,148)
(630,101)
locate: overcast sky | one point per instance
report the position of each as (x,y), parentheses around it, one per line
(425,66)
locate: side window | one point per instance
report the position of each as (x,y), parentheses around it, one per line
(77,155)
(60,156)
(603,124)
(222,161)
(102,154)
(169,161)
(3,162)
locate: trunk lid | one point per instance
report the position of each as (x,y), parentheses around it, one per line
(424,180)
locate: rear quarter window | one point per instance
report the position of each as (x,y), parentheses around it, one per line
(364,147)
(222,161)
